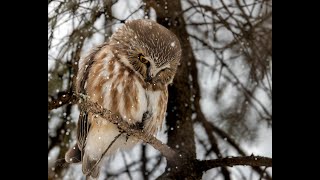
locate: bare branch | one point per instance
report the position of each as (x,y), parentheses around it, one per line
(236,161)
(212,128)
(62,99)
(95,108)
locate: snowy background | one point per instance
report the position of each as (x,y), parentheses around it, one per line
(221,95)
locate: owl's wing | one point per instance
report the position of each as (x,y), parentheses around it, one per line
(83,129)
(75,153)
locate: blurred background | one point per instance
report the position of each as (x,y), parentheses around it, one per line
(225,78)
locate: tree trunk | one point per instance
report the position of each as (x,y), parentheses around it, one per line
(179,117)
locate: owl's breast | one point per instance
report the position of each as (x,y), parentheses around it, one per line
(118,89)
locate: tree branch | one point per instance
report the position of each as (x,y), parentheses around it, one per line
(62,99)
(170,154)
(212,128)
(116,119)
(235,161)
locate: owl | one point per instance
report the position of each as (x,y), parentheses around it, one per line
(128,75)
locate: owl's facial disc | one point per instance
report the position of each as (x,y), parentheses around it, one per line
(152,50)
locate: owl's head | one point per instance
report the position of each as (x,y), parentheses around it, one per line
(149,49)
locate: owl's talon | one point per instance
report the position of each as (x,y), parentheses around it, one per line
(137,126)
(83,97)
(146,116)
(140,125)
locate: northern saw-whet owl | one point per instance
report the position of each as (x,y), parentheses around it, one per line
(129,75)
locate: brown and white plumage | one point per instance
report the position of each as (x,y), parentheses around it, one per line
(127,75)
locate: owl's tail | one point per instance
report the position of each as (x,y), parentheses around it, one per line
(101,142)
(73,155)
(90,167)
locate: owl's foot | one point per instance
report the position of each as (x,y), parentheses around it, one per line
(83,97)
(139,125)
(145,116)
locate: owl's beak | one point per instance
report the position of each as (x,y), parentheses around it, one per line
(149,77)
